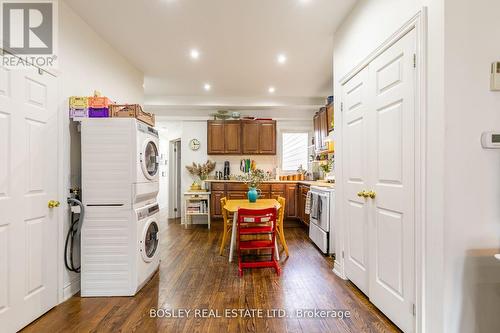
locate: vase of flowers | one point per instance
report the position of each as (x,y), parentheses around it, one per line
(200,172)
(253,179)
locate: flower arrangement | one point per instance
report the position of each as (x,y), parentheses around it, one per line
(327,167)
(201,171)
(254,178)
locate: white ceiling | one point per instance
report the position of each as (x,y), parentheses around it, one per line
(238,41)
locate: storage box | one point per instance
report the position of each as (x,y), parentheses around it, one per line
(131,111)
(98,112)
(78,102)
(98,102)
(77,114)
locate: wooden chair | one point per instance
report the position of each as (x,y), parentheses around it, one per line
(257,222)
(227,225)
(280,225)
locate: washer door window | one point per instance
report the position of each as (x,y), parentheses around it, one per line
(150,240)
(149,160)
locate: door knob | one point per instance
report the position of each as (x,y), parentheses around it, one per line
(371,194)
(53,203)
(361,194)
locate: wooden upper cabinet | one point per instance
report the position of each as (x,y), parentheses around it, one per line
(317,132)
(250,137)
(232,137)
(215,137)
(329,117)
(235,137)
(267,137)
(323,126)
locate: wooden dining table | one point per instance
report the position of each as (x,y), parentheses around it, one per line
(232,206)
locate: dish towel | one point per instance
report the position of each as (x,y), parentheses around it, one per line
(308,203)
(314,206)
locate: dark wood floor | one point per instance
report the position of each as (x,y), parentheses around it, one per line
(193,276)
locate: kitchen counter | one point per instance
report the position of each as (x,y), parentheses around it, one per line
(304,182)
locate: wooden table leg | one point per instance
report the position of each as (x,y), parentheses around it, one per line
(233,237)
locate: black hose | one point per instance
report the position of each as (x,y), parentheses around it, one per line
(69,245)
(73,234)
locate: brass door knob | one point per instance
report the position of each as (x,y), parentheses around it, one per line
(53,203)
(371,194)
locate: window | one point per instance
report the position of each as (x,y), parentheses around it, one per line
(294,153)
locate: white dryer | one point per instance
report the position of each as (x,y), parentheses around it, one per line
(120,162)
(119,249)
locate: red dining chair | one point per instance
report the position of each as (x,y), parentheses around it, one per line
(257,224)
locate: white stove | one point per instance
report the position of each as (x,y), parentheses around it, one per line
(321,218)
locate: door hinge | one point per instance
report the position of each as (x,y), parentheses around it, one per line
(414,60)
(413,309)
(341,106)
(342,254)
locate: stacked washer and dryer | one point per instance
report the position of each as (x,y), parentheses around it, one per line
(120,234)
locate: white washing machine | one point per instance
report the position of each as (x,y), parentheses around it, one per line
(120,162)
(148,230)
(119,249)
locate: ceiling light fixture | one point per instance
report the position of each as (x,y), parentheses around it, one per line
(271,90)
(195,54)
(207,86)
(281,58)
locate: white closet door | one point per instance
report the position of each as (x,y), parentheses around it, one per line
(391,154)
(28,180)
(355,137)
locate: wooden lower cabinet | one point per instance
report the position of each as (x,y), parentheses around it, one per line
(236,195)
(301,204)
(291,200)
(215,207)
(294,194)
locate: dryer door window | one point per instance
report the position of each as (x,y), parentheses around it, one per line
(150,162)
(150,241)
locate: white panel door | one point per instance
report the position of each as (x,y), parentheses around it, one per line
(391,149)
(28,180)
(355,128)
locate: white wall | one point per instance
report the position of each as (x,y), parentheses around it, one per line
(472,178)
(87,63)
(370,23)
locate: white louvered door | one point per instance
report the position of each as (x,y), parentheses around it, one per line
(28,180)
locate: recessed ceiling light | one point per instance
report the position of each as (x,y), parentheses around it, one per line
(281,58)
(271,90)
(207,86)
(195,54)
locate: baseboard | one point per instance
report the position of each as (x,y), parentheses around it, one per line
(71,289)
(337,269)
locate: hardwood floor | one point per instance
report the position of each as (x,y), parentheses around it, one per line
(193,276)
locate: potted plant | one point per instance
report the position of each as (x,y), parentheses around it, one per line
(253,179)
(200,173)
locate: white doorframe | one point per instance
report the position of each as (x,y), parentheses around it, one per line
(419,23)
(173,187)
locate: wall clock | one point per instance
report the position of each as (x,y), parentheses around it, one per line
(194,144)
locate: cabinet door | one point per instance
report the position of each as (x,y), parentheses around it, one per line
(329,117)
(236,195)
(267,137)
(291,200)
(215,206)
(276,194)
(323,127)
(215,137)
(232,137)
(317,132)
(250,137)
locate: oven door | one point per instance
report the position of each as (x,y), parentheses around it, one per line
(321,218)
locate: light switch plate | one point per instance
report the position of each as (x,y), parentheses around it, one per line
(495,76)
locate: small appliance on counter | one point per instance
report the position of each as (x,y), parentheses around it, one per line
(227,170)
